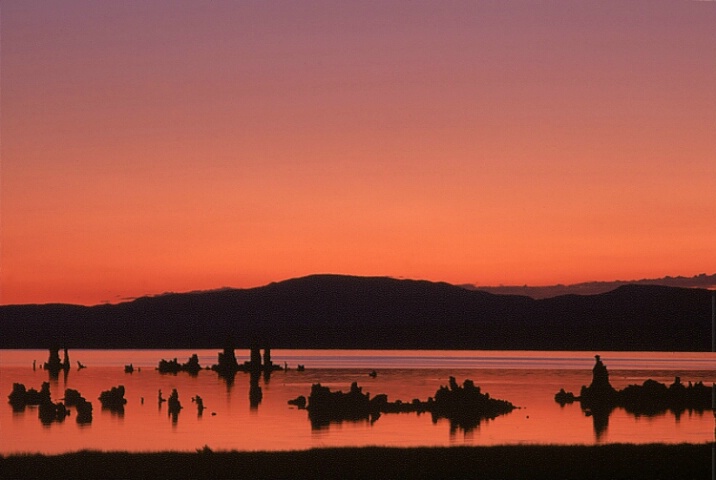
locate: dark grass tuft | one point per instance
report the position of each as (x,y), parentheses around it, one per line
(656,461)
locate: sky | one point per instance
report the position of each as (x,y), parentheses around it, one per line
(154,146)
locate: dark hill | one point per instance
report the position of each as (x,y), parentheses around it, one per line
(332,311)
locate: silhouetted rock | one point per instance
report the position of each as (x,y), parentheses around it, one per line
(464,406)
(228,365)
(73,398)
(299,402)
(268,364)
(52,412)
(563,397)
(35,398)
(379,402)
(325,406)
(651,398)
(84,411)
(48,411)
(20,396)
(169,366)
(173,366)
(173,403)
(599,396)
(199,404)
(113,399)
(192,366)
(53,364)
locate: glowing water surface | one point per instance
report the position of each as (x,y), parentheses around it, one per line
(527,379)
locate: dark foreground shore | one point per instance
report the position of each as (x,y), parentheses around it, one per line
(655,461)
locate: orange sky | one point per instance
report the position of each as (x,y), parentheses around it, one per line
(172,146)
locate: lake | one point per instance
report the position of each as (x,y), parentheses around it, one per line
(527,379)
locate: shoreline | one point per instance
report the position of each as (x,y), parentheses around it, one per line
(510,461)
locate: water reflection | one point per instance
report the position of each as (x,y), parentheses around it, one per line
(600,419)
(228,367)
(650,399)
(54,366)
(199,405)
(255,392)
(464,406)
(228,379)
(143,427)
(113,400)
(174,406)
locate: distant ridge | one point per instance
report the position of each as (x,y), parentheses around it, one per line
(335,311)
(592,288)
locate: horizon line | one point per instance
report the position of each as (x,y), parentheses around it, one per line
(608,284)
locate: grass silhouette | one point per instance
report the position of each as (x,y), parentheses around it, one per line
(506,462)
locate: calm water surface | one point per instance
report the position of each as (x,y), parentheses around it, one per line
(527,379)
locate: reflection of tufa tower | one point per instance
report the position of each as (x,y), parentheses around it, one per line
(66,362)
(227,360)
(255,361)
(268,364)
(53,363)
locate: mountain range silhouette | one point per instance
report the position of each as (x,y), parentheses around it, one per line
(337,311)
